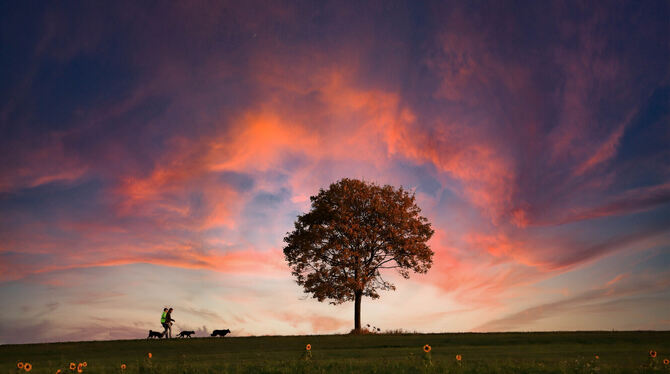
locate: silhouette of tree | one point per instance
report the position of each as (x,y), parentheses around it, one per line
(354,230)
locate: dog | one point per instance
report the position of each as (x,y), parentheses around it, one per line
(185,334)
(154,334)
(220,332)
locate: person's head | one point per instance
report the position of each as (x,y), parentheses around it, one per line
(171,309)
(165,309)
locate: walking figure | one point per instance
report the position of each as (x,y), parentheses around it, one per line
(168,323)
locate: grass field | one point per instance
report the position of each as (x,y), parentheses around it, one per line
(550,352)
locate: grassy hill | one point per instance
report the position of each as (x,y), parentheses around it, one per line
(549,352)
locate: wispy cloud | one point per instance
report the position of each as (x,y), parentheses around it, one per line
(596,300)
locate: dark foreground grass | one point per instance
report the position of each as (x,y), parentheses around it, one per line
(550,352)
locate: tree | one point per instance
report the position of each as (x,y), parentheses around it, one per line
(353,231)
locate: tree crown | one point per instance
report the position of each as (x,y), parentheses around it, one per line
(353,230)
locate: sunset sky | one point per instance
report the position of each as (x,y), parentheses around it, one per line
(156,154)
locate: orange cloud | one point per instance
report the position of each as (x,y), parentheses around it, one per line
(164,193)
(258,142)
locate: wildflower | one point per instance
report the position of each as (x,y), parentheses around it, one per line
(426,348)
(150,355)
(652,353)
(123,366)
(666,361)
(80,368)
(19,365)
(597,357)
(73,366)
(58,371)
(307,354)
(27,366)
(458,357)
(84,364)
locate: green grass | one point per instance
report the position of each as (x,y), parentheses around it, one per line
(550,352)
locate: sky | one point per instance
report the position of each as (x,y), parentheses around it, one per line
(156,153)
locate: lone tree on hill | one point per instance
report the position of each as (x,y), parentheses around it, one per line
(353,231)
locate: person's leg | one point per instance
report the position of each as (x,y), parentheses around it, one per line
(165,330)
(170,329)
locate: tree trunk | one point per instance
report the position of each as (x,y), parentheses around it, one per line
(357,311)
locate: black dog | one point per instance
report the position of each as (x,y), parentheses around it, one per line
(185,334)
(220,332)
(154,334)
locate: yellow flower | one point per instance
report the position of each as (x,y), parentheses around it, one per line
(426,348)
(123,366)
(150,355)
(79,368)
(666,361)
(308,347)
(27,366)
(85,364)
(652,353)
(19,365)
(458,357)
(73,366)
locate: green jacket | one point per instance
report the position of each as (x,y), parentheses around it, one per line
(163,317)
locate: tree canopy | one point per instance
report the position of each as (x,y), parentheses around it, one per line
(352,232)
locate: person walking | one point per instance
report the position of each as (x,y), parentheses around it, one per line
(164,323)
(168,322)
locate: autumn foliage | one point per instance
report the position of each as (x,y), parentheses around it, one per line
(352,232)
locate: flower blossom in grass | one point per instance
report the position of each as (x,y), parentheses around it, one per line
(597,357)
(27,366)
(652,354)
(149,355)
(308,347)
(666,361)
(84,364)
(58,371)
(426,348)
(73,366)
(19,365)
(123,366)
(80,368)
(459,357)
